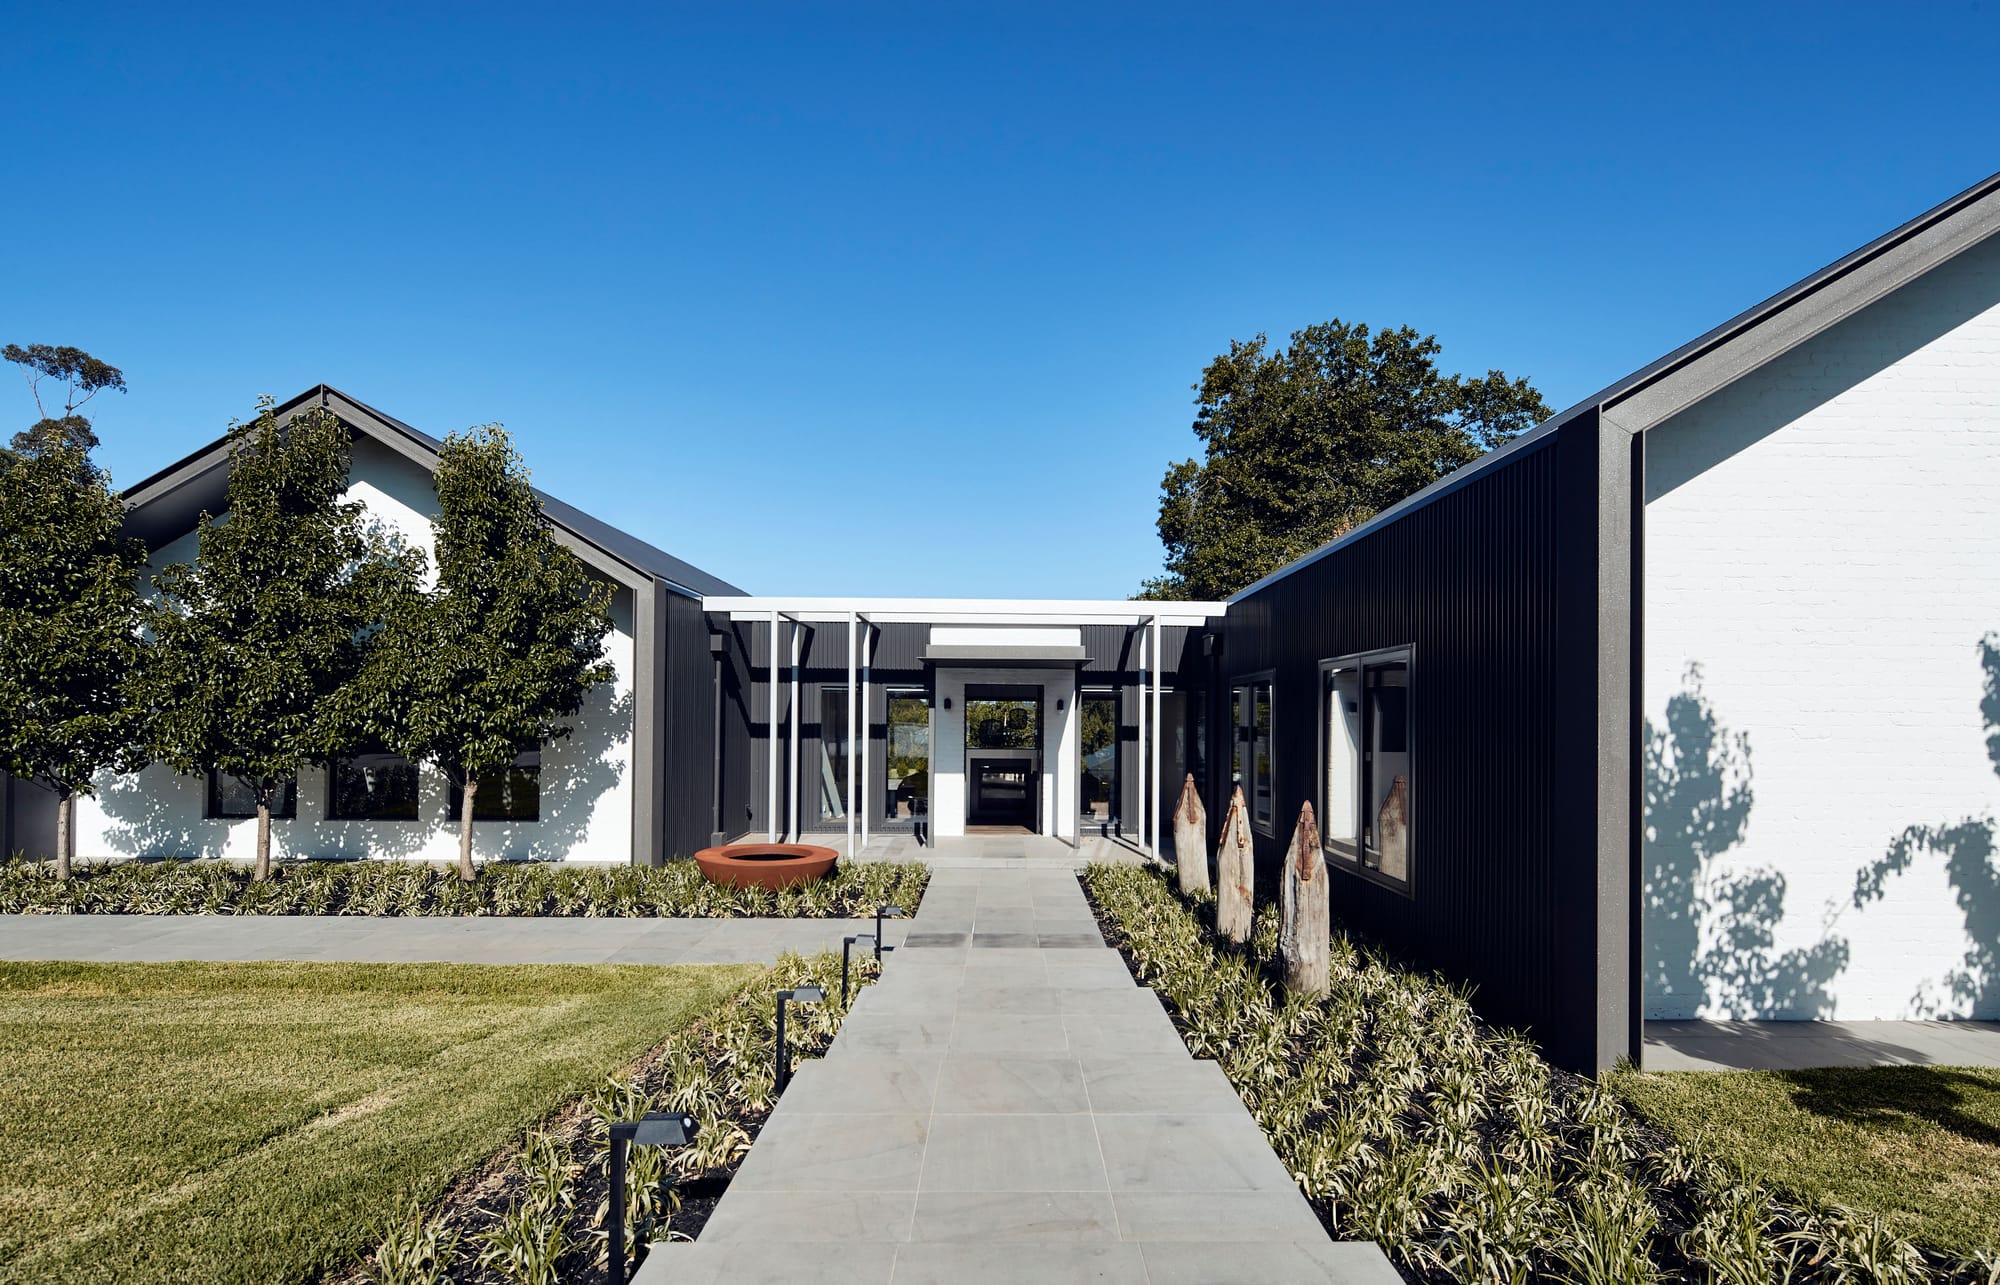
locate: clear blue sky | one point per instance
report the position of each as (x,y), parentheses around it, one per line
(984,252)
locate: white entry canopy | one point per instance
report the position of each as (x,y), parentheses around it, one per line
(998,633)
(971,611)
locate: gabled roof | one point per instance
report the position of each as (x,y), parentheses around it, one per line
(1703,366)
(166,505)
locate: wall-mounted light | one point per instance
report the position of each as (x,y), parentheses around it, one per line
(947,702)
(1059,704)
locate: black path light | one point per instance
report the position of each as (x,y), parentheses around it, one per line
(847,953)
(880,912)
(655,1129)
(796,995)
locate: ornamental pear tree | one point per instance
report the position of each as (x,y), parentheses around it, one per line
(501,651)
(1304,443)
(70,610)
(256,642)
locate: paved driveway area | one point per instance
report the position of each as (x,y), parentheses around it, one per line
(422,939)
(1006,1105)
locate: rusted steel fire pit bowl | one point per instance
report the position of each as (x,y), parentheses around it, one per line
(765,865)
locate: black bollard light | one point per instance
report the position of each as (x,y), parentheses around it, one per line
(796,995)
(880,911)
(847,953)
(655,1129)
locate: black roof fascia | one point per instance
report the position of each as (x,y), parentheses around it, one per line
(1799,293)
(210,464)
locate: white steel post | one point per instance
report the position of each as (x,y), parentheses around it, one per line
(867,661)
(852,667)
(1139,750)
(771,737)
(1154,774)
(793,832)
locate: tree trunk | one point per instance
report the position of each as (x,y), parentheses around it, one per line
(465,870)
(262,870)
(1191,839)
(1234,872)
(1305,925)
(65,811)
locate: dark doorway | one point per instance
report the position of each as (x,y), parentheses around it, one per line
(1003,755)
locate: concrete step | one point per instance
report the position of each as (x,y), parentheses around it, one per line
(768,1262)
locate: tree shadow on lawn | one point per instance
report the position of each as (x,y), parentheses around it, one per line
(1895,1097)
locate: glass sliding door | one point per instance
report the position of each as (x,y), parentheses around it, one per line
(1097,793)
(907,786)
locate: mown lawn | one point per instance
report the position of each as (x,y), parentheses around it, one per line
(206,1122)
(1918,1144)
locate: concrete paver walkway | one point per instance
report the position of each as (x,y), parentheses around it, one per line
(422,938)
(1007,1105)
(1793,1046)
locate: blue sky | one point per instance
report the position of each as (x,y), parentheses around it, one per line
(684,252)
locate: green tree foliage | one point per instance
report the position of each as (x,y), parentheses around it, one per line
(82,376)
(1308,441)
(257,641)
(501,652)
(70,607)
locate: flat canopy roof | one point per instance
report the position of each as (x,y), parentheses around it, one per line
(984,611)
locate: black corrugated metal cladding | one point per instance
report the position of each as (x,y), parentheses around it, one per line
(1489,585)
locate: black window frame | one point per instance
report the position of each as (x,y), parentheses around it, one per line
(211,802)
(333,794)
(455,807)
(1356,862)
(1243,739)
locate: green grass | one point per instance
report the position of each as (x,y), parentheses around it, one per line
(259,1122)
(1918,1144)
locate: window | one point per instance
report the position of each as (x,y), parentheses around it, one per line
(514,793)
(832,753)
(1251,764)
(372,786)
(1365,816)
(229,799)
(907,789)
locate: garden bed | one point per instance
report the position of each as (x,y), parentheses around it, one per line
(536,1214)
(673,891)
(1457,1147)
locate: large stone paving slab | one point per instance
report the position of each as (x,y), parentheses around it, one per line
(1005,1104)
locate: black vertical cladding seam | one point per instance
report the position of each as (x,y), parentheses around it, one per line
(1492,586)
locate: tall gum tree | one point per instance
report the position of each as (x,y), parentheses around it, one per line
(258,640)
(501,651)
(1304,443)
(70,606)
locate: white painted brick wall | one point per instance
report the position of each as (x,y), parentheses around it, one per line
(1822,540)
(157,812)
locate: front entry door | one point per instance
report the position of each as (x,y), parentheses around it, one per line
(1003,755)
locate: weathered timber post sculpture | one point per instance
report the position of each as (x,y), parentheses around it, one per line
(1191,839)
(1234,872)
(1305,924)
